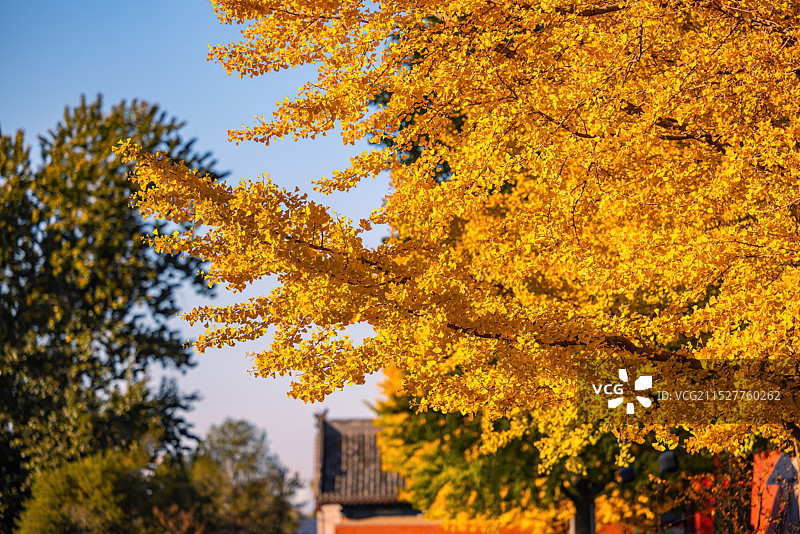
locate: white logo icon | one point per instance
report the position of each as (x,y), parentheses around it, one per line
(642,383)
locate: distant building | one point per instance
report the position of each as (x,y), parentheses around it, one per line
(351,489)
(354,495)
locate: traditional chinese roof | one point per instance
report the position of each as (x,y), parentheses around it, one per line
(348,464)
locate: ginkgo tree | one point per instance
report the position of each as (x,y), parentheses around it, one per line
(622,183)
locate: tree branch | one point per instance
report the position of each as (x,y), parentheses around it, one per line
(590,12)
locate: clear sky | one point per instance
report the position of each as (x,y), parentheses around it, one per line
(155,50)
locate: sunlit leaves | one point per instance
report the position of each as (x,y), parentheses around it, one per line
(611,168)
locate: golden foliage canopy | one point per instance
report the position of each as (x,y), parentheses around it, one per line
(624,179)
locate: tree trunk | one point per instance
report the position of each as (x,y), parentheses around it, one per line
(583,522)
(733,495)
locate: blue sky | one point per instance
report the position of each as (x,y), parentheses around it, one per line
(54,51)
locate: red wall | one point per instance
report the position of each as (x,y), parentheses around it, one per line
(407,529)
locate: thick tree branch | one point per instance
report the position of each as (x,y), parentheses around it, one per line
(745,16)
(590,12)
(672,124)
(563,126)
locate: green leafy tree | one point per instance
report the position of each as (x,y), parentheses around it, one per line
(84,304)
(235,485)
(248,489)
(114,491)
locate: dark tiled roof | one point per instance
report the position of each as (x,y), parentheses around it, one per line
(348,464)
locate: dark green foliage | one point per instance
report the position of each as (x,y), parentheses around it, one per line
(84,303)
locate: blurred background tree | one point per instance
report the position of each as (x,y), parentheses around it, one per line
(84,304)
(113,491)
(233,485)
(246,486)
